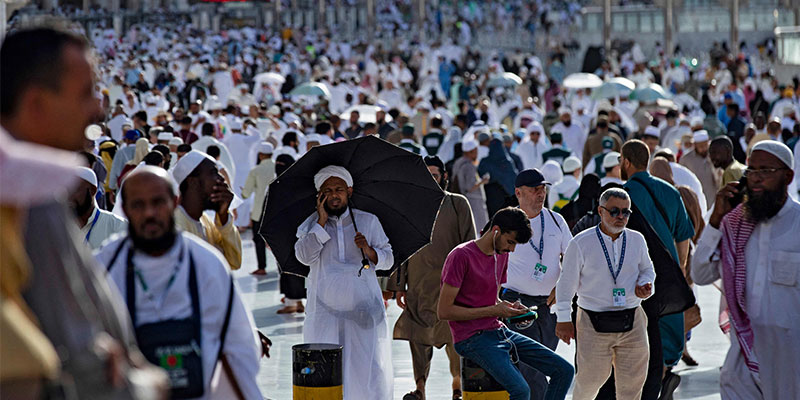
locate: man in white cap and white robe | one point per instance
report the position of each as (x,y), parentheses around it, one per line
(753,248)
(701,166)
(256,184)
(531,149)
(573,132)
(345,305)
(96,225)
(240,146)
(203,189)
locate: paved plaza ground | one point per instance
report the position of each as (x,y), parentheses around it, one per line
(708,344)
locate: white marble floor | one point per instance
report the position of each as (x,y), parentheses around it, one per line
(708,345)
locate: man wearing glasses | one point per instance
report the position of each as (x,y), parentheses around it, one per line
(753,247)
(608,266)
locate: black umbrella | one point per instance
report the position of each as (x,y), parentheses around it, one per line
(390,182)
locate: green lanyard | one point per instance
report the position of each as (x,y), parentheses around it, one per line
(171,280)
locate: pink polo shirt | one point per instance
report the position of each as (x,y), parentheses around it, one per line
(478,277)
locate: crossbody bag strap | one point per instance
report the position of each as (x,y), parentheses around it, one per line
(655,200)
(116,254)
(553,216)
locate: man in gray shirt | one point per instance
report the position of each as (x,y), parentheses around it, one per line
(470,184)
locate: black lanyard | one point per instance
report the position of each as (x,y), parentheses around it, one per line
(608,259)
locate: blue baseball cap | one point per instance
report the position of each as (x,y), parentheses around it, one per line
(132,134)
(530,177)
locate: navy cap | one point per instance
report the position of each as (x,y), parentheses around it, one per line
(530,177)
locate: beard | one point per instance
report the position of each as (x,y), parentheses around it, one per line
(765,205)
(613,229)
(336,212)
(155,245)
(84,206)
(567,123)
(442,183)
(623,174)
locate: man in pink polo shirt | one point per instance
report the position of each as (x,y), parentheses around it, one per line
(471,279)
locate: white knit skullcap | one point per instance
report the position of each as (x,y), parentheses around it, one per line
(188,163)
(87,174)
(777,149)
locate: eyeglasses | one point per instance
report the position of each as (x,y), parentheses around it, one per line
(761,172)
(616,211)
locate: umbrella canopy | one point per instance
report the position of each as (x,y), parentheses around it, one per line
(615,87)
(366,113)
(269,77)
(649,93)
(582,81)
(390,182)
(311,89)
(506,80)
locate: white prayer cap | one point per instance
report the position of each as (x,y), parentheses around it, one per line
(274,110)
(701,136)
(236,125)
(564,110)
(87,175)
(332,171)
(697,121)
(571,164)
(652,131)
(314,137)
(535,127)
(777,149)
(165,136)
(469,145)
(175,141)
(610,160)
(188,163)
(265,148)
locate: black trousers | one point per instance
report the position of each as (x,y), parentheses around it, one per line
(655,368)
(261,246)
(543,330)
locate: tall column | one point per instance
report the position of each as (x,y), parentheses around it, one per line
(668,8)
(321,15)
(420,18)
(734,45)
(607,26)
(371,19)
(114,5)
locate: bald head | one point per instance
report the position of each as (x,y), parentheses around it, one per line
(148,177)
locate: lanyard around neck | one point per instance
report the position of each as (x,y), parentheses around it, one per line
(608,259)
(94,221)
(540,250)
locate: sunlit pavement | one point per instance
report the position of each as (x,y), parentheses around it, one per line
(708,345)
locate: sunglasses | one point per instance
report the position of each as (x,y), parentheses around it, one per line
(615,212)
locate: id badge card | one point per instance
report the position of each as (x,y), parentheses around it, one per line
(618,294)
(538,272)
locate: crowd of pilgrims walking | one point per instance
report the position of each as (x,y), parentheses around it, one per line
(132,165)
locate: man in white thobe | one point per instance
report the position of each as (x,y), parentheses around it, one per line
(754,250)
(345,305)
(96,225)
(162,258)
(531,150)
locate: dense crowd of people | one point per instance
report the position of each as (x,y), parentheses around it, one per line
(664,172)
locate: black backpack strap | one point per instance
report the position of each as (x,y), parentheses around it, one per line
(130,288)
(655,201)
(552,215)
(116,254)
(225,325)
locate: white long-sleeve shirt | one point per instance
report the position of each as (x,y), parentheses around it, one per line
(772,300)
(242,345)
(106,225)
(585,271)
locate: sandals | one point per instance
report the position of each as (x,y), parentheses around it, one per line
(456,394)
(415,395)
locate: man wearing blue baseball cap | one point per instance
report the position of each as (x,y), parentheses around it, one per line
(534,268)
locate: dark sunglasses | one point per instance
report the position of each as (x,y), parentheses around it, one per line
(615,212)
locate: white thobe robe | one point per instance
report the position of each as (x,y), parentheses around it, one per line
(242,345)
(772,300)
(345,308)
(224,153)
(574,136)
(106,225)
(240,147)
(531,153)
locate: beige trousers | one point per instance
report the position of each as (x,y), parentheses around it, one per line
(421,356)
(627,352)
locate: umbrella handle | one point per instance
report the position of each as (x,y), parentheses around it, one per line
(364,261)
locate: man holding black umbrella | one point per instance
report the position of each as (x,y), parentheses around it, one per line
(345,305)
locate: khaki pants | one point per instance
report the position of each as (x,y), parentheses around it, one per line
(421,356)
(627,352)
